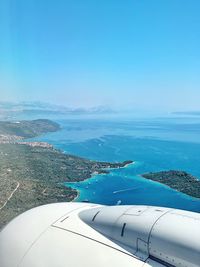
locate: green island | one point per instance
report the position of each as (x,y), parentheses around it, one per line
(33,173)
(178,180)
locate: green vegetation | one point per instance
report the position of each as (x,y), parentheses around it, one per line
(178,180)
(36,176)
(26,129)
(33,173)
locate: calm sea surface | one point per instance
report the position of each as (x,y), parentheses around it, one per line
(153,144)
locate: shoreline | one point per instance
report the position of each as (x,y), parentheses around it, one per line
(39,168)
(141,176)
(125,166)
(92,176)
(179,181)
(45,173)
(169,187)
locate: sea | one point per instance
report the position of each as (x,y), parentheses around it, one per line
(153,144)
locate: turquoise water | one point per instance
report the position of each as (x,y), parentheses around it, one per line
(154,145)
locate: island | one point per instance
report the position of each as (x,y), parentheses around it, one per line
(178,180)
(33,173)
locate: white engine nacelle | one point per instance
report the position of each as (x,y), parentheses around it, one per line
(82,234)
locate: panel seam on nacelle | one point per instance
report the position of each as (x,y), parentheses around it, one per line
(69,213)
(115,222)
(150,232)
(160,261)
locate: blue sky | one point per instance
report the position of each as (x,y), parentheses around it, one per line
(143,54)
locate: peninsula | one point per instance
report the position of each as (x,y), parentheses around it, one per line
(19,130)
(33,173)
(178,180)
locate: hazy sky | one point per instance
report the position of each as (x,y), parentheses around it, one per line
(143,54)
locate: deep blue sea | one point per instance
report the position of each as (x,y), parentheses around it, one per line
(154,144)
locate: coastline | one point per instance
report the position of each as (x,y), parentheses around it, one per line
(125,166)
(41,169)
(93,175)
(179,181)
(34,173)
(141,176)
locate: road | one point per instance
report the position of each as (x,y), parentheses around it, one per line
(11,195)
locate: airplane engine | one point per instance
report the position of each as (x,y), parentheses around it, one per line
(84,234)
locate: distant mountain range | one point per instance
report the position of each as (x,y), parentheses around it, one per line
(8,109)
(190,113)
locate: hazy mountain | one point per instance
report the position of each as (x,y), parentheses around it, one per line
(190,113)
(11,110)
